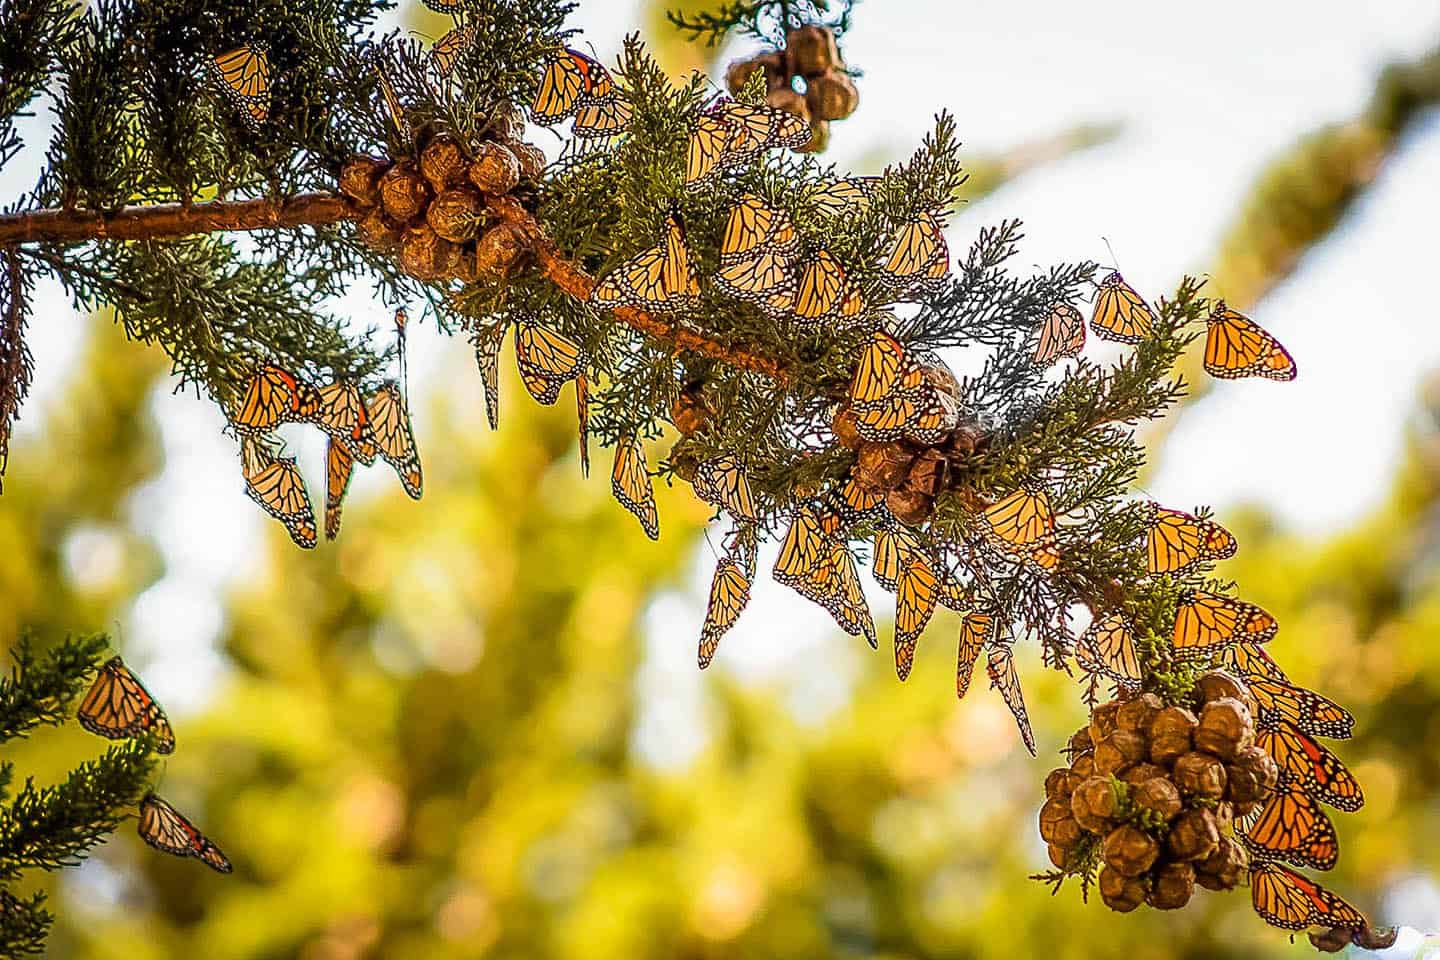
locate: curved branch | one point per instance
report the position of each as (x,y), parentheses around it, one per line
(169,220)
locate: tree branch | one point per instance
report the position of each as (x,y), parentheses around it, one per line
(317,209)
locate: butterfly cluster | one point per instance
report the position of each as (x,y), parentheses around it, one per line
(357,427)
(117,706)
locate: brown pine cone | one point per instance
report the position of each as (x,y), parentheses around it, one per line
(500,251)
(506,122)
(1120,893)
(1251,776)
(1172,887)
(1102,721)
(928,472)
(442,163)
(1065,858)
(1160,797)
(495,169)
(1094,803)
(1060,783)
(1194,835)
(1141,772)
(380,233)
(882,466)
(1218,684)
(360,179)
(425,255)
(457,214)
(1224,867)
(911,506)
(1083,766)
(1080,742)
(1129,850)
(1118,751)
(1225,728)
(789,101)
(404,192)
(531,160)
(1136,715)
(831,96)
(777,74)
(842,424)
(1200,775)
(811,50)
(1170,734)
(819,137)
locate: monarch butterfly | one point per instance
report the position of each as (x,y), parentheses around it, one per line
(1310,766)
(918,255)
(1285,899)
(1236,346)
(390,426)
(757,251)
(855,503)
(916,593)
(1021,522)
(244,75)
(843,195)
(1001,668)
(1120,313)
(1177,541)
(582,414)
(743,545)
(661,279)
(935,418)
(705,147)
(884,368)
(1291,827)
(1253,661)
(1061,335)
(802,550)
(602,117)
(546,360)
(341,413)
(729,592)
(1204,621)
(821,569)
(1305,710)
(450,48)
(753,128)
(444,6)
(1108,647)
(570,79)
(825,293)
(722,481)
(162,826)
(118,705)
(394,108)
(630,483)
(274,396)
(339,465)
(845,597)
(487,358)
(974,633)
(276,485)
(894,546)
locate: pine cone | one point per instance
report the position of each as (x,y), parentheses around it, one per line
(929,472)
(501,251)
(1094,803)
(882,466)
(811,50)
(1065,858)
(425,255)
(1217,685)
(1225,728)
(457,214)
(1194,835)
(777,74)
(1172,886)
(404,192)
(966,439)
(1224,867)
(360,179)
(1141,772)
(1057,825)
(380,233)
(842,424)
(1136,715)
(442,163)
(1060,783)
(1251,776)
(1083,766)
(1159,796)
(1200,775)
(789,101)
(689,412)
(1170,734)
(1120,893)
(1129,850)
(1118,751)
(911,506)
(507,122)
(1102,721)
(1080,742)
(831,96)
(495,170)
(531,160)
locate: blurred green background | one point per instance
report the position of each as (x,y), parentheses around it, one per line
(427,739)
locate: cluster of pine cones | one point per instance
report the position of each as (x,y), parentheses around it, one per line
(811,55)
(430,212)
(1157,788)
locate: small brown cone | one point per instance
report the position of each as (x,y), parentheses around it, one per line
(457,214)
(1080,742)
(1102,721)
(1200,775)
(1218,684)
(442,163)
(1224,867)
(380,233)
(831,96)
(495,170)
(1170,734)
(1093,804)
(789,101)
(1083,766)
(531,160)
(1225,728)
(882,466)
(1141,772)
(1060,783)
(819,138)
(776,72)
(842,424)
(811,50)
(1129,850)
(501,251)
(911,506)
(1136,715)
(404,192)
(507,122)
(360,179)
(1251,776)
(1172,887)
(1120,893)
(425,255)
(1193,836)
(1053,814)
(929,472)
(1159,797)
(1118,751)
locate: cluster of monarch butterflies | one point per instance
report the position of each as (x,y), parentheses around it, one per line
(1235,345)
(576,85)
(357,427)
(118,706)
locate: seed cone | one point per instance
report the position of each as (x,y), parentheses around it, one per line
(831,96)
(811,50)
(495,170)
(360,179)
(442,163)
(404,192)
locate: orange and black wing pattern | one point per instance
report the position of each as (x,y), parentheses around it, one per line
(118,705)
(1236,346)
(1291,827)
(1310,766)
(1177,542)
(165,829)
(1286,899)
(1205,622)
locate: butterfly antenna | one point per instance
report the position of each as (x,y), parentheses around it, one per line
(1114,260)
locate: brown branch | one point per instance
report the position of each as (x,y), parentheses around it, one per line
(316,209)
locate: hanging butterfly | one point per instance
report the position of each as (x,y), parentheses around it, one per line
(847,604)
(844,196)
(390,426)
(393,107)
(853,503)
(1120,314)
(1252,661)
(445,6)
(1305,710)
(118,705)
(919,257)
(1310,766)
(487,357)
(1205,621)
(1176,541)
(630,483)
(244,75)
(1001,668)
(339,466)
(582,416)
(754,128)
(602,117)
(706,146)
(1285,899)
(1023,524)
(1236,346)
(1291,827)
(821,569)
(546,360)
(342,414)
(894,546)
(917,591)
(274,396)
(1061,335)
(884,368)
(757,251)
(574,83)
(892,397)
(450,48)
(276,485)
(162,826)
(825,294)
(729,592)
(974,634)
(660,280)
(722,482)
(1108,647)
